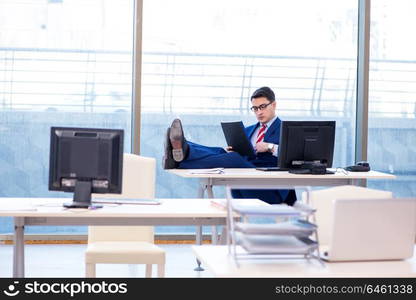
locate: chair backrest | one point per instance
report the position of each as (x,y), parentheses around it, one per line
(323,201)
(139,177)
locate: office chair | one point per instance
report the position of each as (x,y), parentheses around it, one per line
(127,244)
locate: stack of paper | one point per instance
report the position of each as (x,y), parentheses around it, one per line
(298,228)
(269,210)
(222,202)
(274,244)
(207,171)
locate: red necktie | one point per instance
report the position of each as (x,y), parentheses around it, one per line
(260,135)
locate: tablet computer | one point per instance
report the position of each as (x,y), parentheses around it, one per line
(236,137)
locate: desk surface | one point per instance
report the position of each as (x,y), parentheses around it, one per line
(217,260)
(256,174)
(169,208)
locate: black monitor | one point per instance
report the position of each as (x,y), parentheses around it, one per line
(306,143)
(85,161)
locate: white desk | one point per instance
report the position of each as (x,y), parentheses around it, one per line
(217,260)
(49,212)
(246,177)
(274,180)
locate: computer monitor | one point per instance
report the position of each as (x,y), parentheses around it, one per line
(85,161)
(306,143)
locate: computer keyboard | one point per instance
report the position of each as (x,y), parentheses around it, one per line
(127,201)
(293,171)
(272,169)
(308,171)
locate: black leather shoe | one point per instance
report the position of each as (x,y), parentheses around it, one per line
(168,162)
(177,140)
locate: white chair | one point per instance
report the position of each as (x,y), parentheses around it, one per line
(127,244)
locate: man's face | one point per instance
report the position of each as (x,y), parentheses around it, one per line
(266,114)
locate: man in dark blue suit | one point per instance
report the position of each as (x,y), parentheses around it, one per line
(264,136)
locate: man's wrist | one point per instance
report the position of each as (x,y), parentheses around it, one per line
(270,147)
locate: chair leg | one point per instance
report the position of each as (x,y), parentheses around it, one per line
(161,270)
(148,270)
(90,270)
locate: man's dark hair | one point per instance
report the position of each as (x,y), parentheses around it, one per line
(264,92)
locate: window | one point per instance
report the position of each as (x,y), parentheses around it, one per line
(203,59)
(62,63)
(392,95)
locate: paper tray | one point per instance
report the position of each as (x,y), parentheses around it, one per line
(269,210)
(297,228)
(271,244)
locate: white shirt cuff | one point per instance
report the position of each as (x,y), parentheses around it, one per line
(275,150)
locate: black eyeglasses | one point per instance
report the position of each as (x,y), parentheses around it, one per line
(260,107)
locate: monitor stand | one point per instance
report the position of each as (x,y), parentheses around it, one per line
(82,196)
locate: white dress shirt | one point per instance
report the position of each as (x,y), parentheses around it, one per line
(254,135)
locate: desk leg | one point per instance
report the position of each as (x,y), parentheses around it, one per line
(214,232)
(223,237)
(359,182)
(214,235)
(199,242)
(19,248)
(201,188)
(210,193)
(201,191)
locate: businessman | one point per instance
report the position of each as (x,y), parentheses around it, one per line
(264,136)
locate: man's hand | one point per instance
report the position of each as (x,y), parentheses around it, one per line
(229,149)
(262,147)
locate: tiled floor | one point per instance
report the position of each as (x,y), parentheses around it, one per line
(68,261)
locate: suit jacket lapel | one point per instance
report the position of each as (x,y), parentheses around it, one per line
(273,130)
(252,129)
